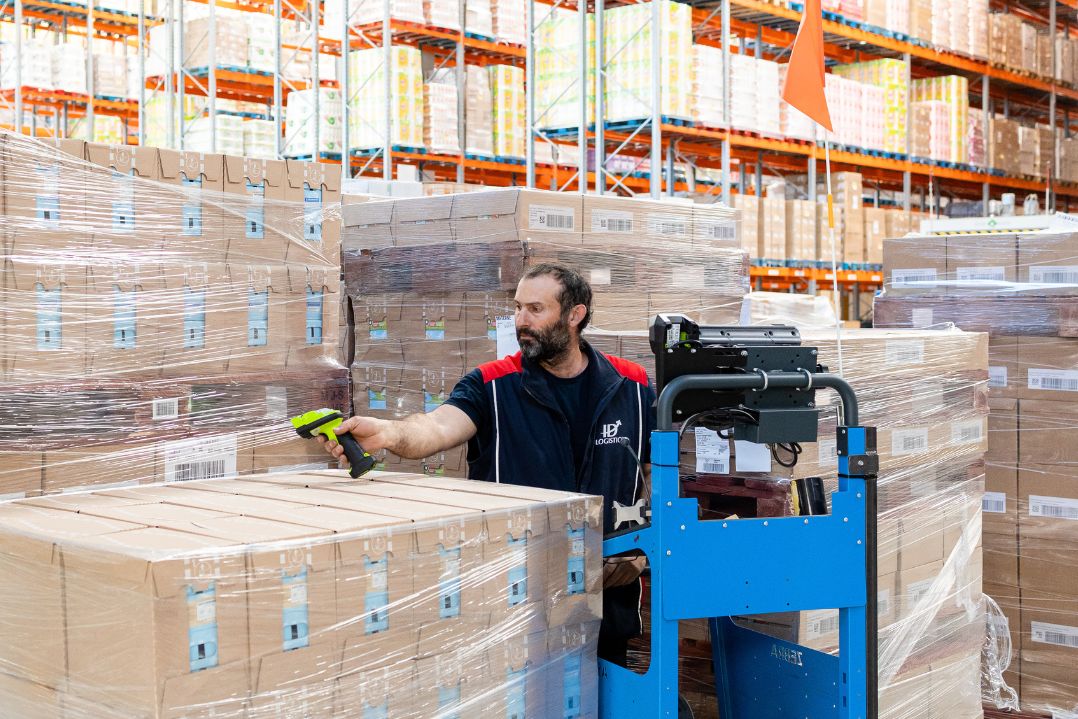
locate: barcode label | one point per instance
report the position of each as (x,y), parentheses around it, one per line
(1053,507)
(904,352)
(1056,380)
(922,317)
(210,469)
(668,226)
(1057,634)
(969,432)
(913,278)
(828,452)
(918,590)
(168,408)
(724,230)
(191,459)
(599,276)
(712,452)
(612,222)
(821,625)
(997,376)
(994,503)
(1054,275)
(982,274)
(909,441)
(545,217)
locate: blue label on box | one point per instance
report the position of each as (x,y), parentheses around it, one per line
(49,318)
(575,582)
(380,711)
(449,584)
(376,400)
(257,318)
(123,319)
(48,210)
(192,208)
(571,686)
(294,616)
(202,627)
(194,318)
(376,601)
(518,572)
(47,198)
(449,702)
(431,401)
(435,334)
(254,222)
(514,693)
(312,213)
(314,317)
(123,216)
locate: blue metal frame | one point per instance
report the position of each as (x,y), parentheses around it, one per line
(716,569)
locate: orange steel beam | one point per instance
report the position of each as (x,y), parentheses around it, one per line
(414,34)
(42,98)
(105,22)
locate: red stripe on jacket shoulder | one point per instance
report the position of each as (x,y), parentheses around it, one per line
(500,368)
(630,370)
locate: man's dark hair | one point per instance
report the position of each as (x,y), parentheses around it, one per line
(575,290)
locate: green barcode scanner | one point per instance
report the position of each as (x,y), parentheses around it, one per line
(324,421)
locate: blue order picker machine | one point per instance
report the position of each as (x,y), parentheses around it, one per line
(758,383)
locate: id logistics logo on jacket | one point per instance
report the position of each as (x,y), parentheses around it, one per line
(609,434)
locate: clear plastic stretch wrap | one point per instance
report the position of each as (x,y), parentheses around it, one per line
(301,595)
(1021,288)
(926,393)
(162,313)
(430,283)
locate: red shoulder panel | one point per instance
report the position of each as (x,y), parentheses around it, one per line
(500,368)
(630,370)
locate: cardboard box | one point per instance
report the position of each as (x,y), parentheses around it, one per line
(29,700)
(41,184)
(422,221)
(367,226)
(387,689)
(1000,552)
(551,218)
(1041,424)
(875,233)
(572,670)
(289,456)
(1049,261)
(713,226)
(920,589)
(914,265)
(1048,504)
(198,327)
(312,325)
(1049,629)
(1005,377)
(1049,368)
(196,211)
(20,474)
(122,208)
(125,315)
(981,263)
(1047,686)
(33,568)
(609,219)
(68,469)
(516,668)
(1000,507)
(151,615)
(452,681)
(253,190)
(257,339)
(301,682)
(204,456)
(45,332)
(482,310)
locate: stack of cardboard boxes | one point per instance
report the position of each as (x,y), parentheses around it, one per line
(155,305)
(1022,290)
(431,282)
(302,595)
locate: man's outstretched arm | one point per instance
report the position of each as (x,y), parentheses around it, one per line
(414,437)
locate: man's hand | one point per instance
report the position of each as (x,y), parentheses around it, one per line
(414,437)
(372,434)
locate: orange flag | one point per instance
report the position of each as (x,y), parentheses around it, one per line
(804,87)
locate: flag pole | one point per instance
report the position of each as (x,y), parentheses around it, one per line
(834,254)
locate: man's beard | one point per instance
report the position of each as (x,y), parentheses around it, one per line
(545,345)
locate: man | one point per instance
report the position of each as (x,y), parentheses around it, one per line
(557,415)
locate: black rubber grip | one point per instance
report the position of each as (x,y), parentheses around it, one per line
(360,461)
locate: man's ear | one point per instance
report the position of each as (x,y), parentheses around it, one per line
(576,316)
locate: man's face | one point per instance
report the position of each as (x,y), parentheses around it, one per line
(542,332)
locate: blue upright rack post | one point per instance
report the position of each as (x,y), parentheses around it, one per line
(717,569)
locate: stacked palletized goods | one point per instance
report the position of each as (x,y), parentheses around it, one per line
(754,91)
(441,133)
(367,107)
(893,77)
(1021,289)
(930,130)
(431,282)
(478,108)
(954,91)
(510,21)
(628,41)
(557,74)
(508,110)
(186,303)
(302,594)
